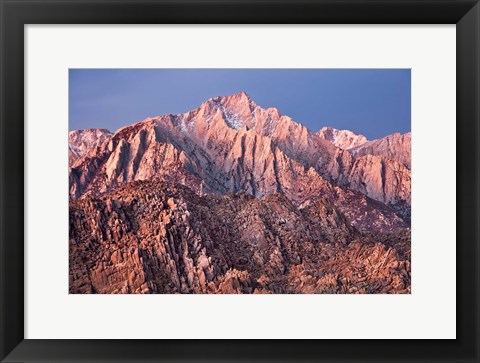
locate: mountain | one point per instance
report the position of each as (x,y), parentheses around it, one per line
(208,155)
(160,237)
(395,147)
(343,139)
(232,144)
(379,168)
(80,141)
(235,198)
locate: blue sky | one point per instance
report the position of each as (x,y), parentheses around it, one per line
(373,102)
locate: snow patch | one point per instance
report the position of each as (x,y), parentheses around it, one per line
(233,120)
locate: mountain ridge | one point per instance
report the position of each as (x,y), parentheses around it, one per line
(232,198)
(232,144)
(156,236)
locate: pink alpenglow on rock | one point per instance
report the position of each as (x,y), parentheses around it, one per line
(234,198)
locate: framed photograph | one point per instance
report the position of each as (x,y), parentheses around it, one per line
(239,181)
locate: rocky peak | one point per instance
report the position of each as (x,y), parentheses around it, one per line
(233,99)
(86,137)
(231,144)
(234,198)
(237,110)
(80,141)
(343,139)
(394,147)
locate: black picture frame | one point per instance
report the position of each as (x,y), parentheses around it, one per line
(17,13)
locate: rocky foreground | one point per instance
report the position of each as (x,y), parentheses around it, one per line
(155,237)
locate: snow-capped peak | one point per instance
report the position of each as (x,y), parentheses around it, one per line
(344,139)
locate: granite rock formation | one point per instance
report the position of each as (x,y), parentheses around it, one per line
(159,237)
(235,198)
(343,139)
(80,141)
(395,147)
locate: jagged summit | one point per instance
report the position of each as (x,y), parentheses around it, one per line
(90,130)
(235,100)
(79,141)
(237,111)
(241,96)
(231,144)
(395,146)
(344,139)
